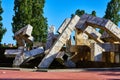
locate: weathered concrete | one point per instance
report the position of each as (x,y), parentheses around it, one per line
(81,38)
(50,38)
(65,35)
(12,52)
(24,34)
(97,49)
(107,25)
(95,35)
(19,59)
(81,52)
(27,30)
(107,38)
(117,57)
(64,25)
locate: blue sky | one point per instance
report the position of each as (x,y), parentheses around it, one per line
(55,11)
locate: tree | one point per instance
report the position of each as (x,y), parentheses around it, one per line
(2,30)
(30,12)
(81,12)
(113,11)
(93,13)
(78,12)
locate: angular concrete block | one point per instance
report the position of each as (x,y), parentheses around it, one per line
(107,38)
(96,50)
(29,39)
(20,42)
(24,35)
(81,35)
(47,60)
(81,24)
(117,58)
(104,24)
(60,55)
(21,57)
(64,25)
(12,52)
(94,20)
(28,30)
(50,38)
(81,38)
(93,34)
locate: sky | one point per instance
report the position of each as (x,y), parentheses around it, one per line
(55,11)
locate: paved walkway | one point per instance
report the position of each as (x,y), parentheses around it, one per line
(79,75)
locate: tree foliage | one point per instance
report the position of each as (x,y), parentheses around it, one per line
(2,30)
(30,12)
(93,13)
(113,11)
(81,12)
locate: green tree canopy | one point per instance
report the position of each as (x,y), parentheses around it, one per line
(30,12)
(93,13)
(81,12)
(113,11)
(2,30)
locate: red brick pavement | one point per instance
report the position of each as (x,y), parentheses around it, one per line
(83,75)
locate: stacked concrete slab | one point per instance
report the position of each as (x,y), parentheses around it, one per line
(63,37)
(85,28)
(90,44)
(23,37)
(110,30)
